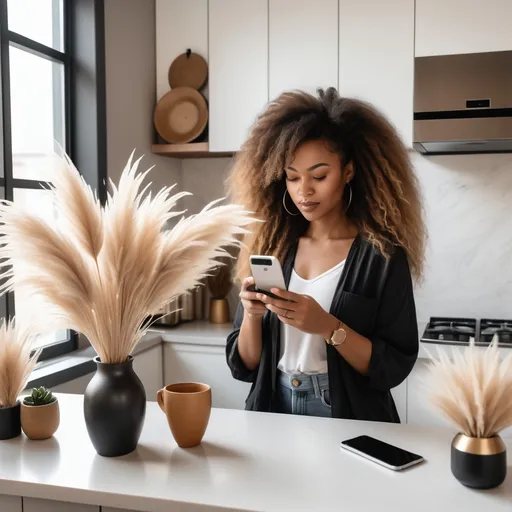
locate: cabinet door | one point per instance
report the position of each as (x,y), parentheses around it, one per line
(38,505)
(400,397)
(148,366)
(376,57)
(462,26)
(110,509)
(419,409)
(180,24)
(238,76)
(303,45)
(184,362)
(10,503)
(76,386)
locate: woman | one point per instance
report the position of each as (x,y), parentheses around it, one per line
(333,183)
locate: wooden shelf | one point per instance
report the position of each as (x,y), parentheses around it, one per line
(192,150)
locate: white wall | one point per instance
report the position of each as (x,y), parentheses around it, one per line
(130,77)
(204,177)
(468,203)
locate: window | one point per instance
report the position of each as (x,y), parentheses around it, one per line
(35,87)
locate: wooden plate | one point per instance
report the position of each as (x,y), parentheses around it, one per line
(188,70)
(181,115)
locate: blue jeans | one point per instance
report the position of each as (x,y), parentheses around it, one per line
(307,395)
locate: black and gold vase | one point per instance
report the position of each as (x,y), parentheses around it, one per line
(480,463)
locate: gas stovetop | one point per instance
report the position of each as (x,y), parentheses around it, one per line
(459,331)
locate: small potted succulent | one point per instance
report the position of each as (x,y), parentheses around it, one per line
(40,415)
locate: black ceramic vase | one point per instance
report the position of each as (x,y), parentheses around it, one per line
(10,422)
(480,463)
(114,408)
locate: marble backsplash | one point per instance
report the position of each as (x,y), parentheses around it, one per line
(468,205)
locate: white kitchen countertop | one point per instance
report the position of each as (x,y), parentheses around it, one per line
(203,332)
(247,461)
(200,332)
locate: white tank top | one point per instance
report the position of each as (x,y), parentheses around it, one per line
(303,353)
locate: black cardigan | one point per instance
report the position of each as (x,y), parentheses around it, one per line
(374,297)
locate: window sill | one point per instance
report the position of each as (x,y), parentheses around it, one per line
(59,370)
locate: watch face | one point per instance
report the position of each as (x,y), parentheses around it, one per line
(339,336)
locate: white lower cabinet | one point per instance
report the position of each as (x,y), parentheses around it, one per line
(187,362)
(38,505)
(75,386)
(10,503)
(148,366)
(419,409)
(110,509)
(400,397)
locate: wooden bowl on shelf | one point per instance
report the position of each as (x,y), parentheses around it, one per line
(181,115)
(188,70)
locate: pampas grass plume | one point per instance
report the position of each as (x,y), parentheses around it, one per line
(473,389)
(16,363)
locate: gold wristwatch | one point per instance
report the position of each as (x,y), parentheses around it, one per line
(338,336)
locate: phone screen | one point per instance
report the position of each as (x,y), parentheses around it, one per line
(387,453)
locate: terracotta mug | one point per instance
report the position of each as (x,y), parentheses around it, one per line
(187,406)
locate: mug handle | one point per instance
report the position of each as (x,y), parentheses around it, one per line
(160,398)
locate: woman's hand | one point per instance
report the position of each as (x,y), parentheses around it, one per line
(252,305)
(300,311)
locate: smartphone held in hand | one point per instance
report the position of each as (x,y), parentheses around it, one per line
(267,273)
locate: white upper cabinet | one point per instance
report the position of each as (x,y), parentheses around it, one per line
(446,27)
(376,57)
(180,24)
(303,45)
(238,69)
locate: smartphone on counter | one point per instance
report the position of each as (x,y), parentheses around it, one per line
(267,273)
(382,453)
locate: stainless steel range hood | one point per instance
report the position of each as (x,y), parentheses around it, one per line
(463,103)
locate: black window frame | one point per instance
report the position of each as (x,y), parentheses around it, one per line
(84,109)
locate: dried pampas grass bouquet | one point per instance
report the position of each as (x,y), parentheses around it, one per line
(473,390)
(102,270)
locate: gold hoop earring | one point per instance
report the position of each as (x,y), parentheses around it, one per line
(349,197)
(284,205)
